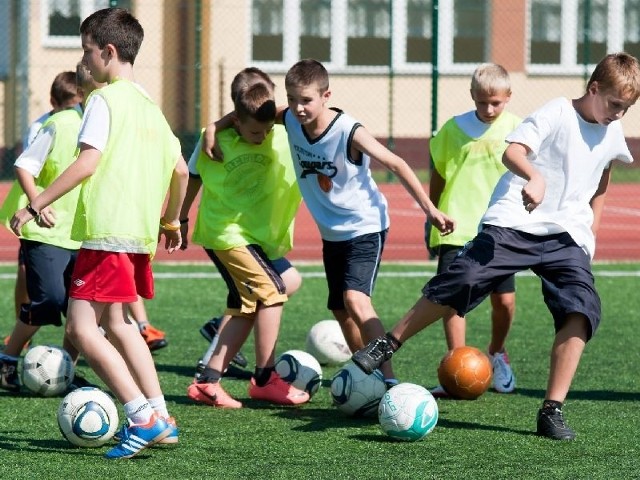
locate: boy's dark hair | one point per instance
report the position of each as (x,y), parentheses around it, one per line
(307,72)
(618,71)
(257,102)
(117,27)
(63,88)
(247,77)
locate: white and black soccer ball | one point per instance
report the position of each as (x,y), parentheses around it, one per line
(87,417)
(326,342)
(408,412)
(47,370)
(356,393)
(300,369)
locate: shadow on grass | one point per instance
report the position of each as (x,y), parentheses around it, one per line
(593,395)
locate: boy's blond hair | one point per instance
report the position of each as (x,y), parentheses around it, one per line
(490,78)
(307,72)
(620,72)
(255,101)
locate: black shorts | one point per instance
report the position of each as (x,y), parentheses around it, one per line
(496,253)
(48,273)
(352,265)
(448,253)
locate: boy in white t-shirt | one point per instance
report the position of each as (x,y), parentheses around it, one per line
(550,201)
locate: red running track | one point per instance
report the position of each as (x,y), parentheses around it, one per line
(618,237)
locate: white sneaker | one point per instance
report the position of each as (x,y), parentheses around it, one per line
(503,379)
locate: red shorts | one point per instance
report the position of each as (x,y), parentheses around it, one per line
(111,277)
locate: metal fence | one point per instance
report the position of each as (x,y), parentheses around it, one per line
(401,67)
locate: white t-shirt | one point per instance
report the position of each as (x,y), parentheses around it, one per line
(35,155)
(33,130)
(571,154)
(470,124)
(94,130)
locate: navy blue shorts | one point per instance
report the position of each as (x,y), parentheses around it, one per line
(496,253)
(448,253)
(48,272)
(352,265)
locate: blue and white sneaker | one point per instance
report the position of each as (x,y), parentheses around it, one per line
(135,438)
(503,379)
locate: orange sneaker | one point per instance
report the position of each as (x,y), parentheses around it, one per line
(212,394)
(155,338)
(277,391)
(24,347)
(172,438)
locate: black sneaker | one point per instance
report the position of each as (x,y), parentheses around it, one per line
(551,425)
(9,379)
(210,329)
(374,354)
(80,382)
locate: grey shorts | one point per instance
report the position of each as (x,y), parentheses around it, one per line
(352,265)
(496,253)
(448,253)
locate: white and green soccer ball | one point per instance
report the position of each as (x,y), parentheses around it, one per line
(408,412)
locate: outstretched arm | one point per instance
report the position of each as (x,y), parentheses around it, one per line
(84,166)
(363,141)
(193,187)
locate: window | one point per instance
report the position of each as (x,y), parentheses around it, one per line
(268,39)
(470,31)
(419,25)
(569,37)
(61,20)
(315,34)
(369,32)
(369,36)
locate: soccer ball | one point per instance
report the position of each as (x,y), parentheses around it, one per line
(300,369)
(356,393)
(326,342)
(465,373)
(87,417)
(407,412)
(47,370)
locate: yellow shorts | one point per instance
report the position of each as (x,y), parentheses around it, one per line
(251,280)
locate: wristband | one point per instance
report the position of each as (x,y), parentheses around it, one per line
(168,226)
(183,221)
(31,210)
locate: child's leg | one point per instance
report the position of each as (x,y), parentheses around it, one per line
(99,352)
(233,333)
(123,334)
(503,306)
(455,329)
(266,330)
(20,335)
(350,330)
(567,349)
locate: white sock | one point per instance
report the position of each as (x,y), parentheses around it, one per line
(138,411)
(159,405)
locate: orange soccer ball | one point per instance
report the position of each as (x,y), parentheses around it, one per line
(465,373)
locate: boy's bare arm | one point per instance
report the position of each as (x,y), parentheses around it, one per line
(597,202)
(193,187)
(209,146)
(365,142)
(515,159)
(170,219)
(84,166)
